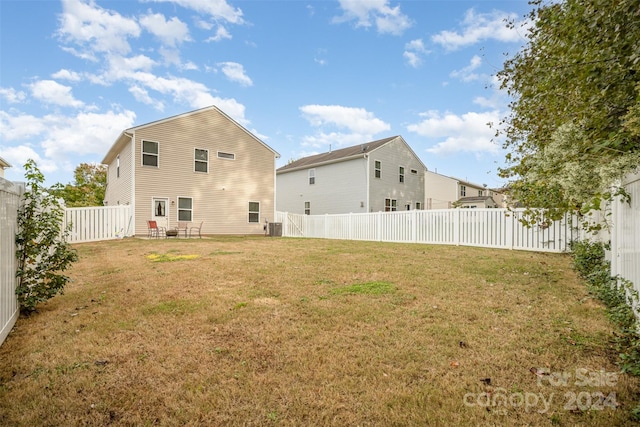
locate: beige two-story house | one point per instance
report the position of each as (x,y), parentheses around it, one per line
(445,192)
(383,175)
(196,167)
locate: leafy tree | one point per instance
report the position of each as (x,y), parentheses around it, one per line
(42,252)
(90,181)
(574,126)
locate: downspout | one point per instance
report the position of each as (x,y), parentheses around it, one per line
(133,181)
(366,156)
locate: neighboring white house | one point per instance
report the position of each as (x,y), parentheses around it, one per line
(200,166)
(3,165)
(445,192)
(382,175)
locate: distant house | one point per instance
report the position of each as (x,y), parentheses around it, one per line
(382,175)
(445,192)
(3,165)
(199,166)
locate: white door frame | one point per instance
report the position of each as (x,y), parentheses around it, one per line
(160,211)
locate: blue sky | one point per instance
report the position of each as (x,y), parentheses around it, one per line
(301,75)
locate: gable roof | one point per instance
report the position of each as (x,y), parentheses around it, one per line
(127,134)
(476,199)
(4,164)
(343,154)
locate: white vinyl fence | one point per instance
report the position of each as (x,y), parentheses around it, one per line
(625,236)
(491,228)
(98,223)
(10,196)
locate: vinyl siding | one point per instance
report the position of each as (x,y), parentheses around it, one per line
(220,197)
(339,188)
(391,156)
(118,190)
(441,191)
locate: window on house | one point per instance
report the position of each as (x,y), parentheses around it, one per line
(185,209)
(150,153)
(377,168)
(159,208)
(390,205)
(401,174)
(463,190)
(407,207)
(312,176)
(418,206)
(414,171)
(254,211)
(479,192)
(118,167)
(228,156)
(201,158)
(307,208)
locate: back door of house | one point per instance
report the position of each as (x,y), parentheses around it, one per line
(160,211)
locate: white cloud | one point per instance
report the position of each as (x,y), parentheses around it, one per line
(467,74)
(468,132)
(141,95)
(52,92)
(60,136)
(366,13)
(360,124)
(171,32)
(356,120)
(221,34)
(483,26)
(95,29)
(414,51)
(216,9)
(235,72)
(63,74)
(11,95)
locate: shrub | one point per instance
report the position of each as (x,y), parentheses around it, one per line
(42,251)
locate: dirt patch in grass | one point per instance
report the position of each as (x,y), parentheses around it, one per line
(260,331)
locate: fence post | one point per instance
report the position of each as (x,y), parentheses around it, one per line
(510,229)
(456,227)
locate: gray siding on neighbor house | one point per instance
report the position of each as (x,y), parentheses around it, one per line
(391,156)
(339,188)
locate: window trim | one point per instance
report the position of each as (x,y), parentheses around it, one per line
(179,209)
(312,176)
(392,206)
(463,190)
(196,160)
(143,153)
(249,212)
(223,155)
(401,174)
(307,208)
(377,169)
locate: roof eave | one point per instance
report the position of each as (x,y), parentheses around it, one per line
(324,163)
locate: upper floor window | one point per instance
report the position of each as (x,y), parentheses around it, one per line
(228,156)
(254,211)
(377,166)
(480,193)
(201,158)
(414,171)
(118,167)
(185,209)
(307,208)
(150,153)
(401,174)
(390,205)
(312,176)
(463,190)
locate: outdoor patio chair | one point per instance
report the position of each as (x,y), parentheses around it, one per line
(199,228)
(154,230)
(183,226)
